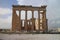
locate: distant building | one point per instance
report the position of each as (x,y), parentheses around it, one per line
(58,29)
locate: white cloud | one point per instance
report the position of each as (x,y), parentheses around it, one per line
(5,11)
(20,1)
(5,22)
(32,2)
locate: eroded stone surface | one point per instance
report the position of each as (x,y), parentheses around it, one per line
(30,36)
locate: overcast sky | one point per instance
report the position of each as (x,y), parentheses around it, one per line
(53,11)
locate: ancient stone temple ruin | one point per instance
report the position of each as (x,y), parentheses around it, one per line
(32,24)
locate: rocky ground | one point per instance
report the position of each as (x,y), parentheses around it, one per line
(29,36)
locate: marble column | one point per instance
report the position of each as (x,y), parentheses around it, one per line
(20,19)
(26,20)
(46,25)
(32,20)
(38,20)
(13,19)
(44,20)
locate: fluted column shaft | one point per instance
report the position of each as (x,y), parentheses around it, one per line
(13,19)
(26,20)
(39,20)
(44,20)
(20,19)
(32,20)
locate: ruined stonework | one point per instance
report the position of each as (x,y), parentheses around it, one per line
(29,25)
